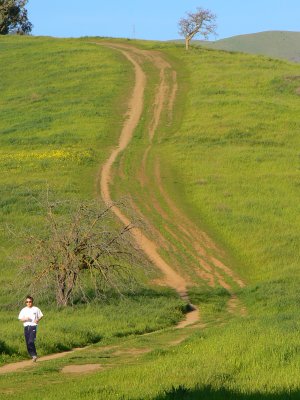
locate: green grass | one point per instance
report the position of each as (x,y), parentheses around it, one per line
(233,166)
(230,161)
(275,44)
(62,106)
(205,364)
(279,44)
(235,158)
(62,103)
(144,311)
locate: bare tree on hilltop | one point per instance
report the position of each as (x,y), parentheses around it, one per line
(201,22)
(13,17)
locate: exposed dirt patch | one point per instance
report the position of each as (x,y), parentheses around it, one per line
(150,229)
(209,266)
(206,277)
(207,254)
(191,318)
(81,369)
(150,248)
(131,352)
(228,271)
(28,363)
(15,366)
(7,391)
(293,78)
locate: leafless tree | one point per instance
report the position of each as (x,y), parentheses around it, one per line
(81,254)
(201,22)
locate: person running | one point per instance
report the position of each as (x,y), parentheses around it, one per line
(30,316)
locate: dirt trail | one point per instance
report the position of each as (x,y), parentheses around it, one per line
(207,254)
(13,367)
(150,248)
(135,108)
(210,266)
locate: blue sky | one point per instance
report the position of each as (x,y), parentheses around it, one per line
(157,19)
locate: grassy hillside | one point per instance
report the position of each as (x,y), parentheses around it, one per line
(61,108)
(234,157)
(60,111)
(230,161)
(278,44)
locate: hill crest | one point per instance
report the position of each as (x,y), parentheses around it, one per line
(277,44)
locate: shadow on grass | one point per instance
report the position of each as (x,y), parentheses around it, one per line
(208,393)
(5,349)
(136,295)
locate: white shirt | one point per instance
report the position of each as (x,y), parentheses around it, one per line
(33,313)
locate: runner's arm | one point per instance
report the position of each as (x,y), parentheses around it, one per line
(26,319)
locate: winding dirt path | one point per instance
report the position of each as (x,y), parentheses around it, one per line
(135,109)
(208,264)
(209,267)
(13,367)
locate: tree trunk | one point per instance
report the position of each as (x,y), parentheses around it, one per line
(61,299)
(187,43)
(66,283)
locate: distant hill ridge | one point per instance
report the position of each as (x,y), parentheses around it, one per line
(278,44)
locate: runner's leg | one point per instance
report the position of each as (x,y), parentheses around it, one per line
(26,334)
(30,341)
